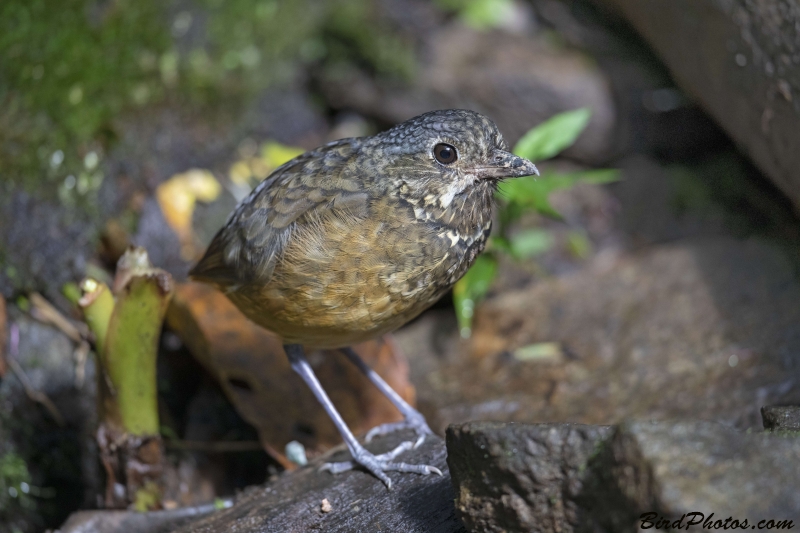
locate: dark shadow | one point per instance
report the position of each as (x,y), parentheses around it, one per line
(429,507)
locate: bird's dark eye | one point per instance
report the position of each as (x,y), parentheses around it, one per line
(445,153)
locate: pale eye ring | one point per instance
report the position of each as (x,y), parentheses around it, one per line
(445,153)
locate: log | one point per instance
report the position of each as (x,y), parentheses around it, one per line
(356,500)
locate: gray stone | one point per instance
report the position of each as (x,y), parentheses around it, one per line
(162,244)
(679,468)
(517,80)
(565,478)
(60,457)
(703,328)
(42,244)
(653,116)
(521,477)
(359,501)
(739,59)
(784,417)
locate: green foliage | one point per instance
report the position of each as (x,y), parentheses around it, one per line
(131,349)
(525,244)
(540,351)
(249,45)
(147,498)
(471,289)
(480,14)
(126,331)
(71,70)
(66,69)
(578,244)
(352,32)
(527,194)
(532,193)
(219,503)
(15,484)
(551,137)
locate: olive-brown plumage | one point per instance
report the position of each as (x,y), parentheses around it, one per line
(356,238)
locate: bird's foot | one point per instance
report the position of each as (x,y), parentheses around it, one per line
(413,420)
(378,465)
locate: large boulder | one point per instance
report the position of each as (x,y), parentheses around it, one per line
(47,421)
(522,477)
(741,60)
(517,80)
(573,478)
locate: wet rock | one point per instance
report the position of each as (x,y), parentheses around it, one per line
(565,478)
(356,500)
(783,417)
(701,329)
(161,242)
(649,193)
(521,477)
(653,115)
(288,115)
(45,242)
(673,469)
(59,450)
(517,80)
(720,195)
(42,244)
(738,55)
(3,336)
(155,146)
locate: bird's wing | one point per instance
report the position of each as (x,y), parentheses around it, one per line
(249,245)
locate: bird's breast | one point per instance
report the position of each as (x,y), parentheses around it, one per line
(346,278)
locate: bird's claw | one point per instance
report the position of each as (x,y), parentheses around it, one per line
(415,421)
(378,465)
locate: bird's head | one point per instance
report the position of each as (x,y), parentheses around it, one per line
(443,154)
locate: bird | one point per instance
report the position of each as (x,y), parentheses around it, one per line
(354,239)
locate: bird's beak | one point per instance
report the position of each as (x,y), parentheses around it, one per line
(504,164)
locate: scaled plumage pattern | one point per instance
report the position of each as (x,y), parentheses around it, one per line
(354,239)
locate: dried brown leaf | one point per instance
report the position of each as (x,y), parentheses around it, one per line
(253,370)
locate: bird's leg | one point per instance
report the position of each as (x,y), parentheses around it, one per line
(412,419)
(377,464)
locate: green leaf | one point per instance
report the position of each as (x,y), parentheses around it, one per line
(530,243)
(23,304)
(274,154)
(578,244)
(71,291)
(554,135)
(219,503)
(470,289)
(508,214)
(486,14)
(147,497)
(168,433)
(480,14)
(534,193)
(498,243)
(529,193)
(541,352)
(597,176)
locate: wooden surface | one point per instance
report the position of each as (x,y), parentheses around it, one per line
(359,502)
